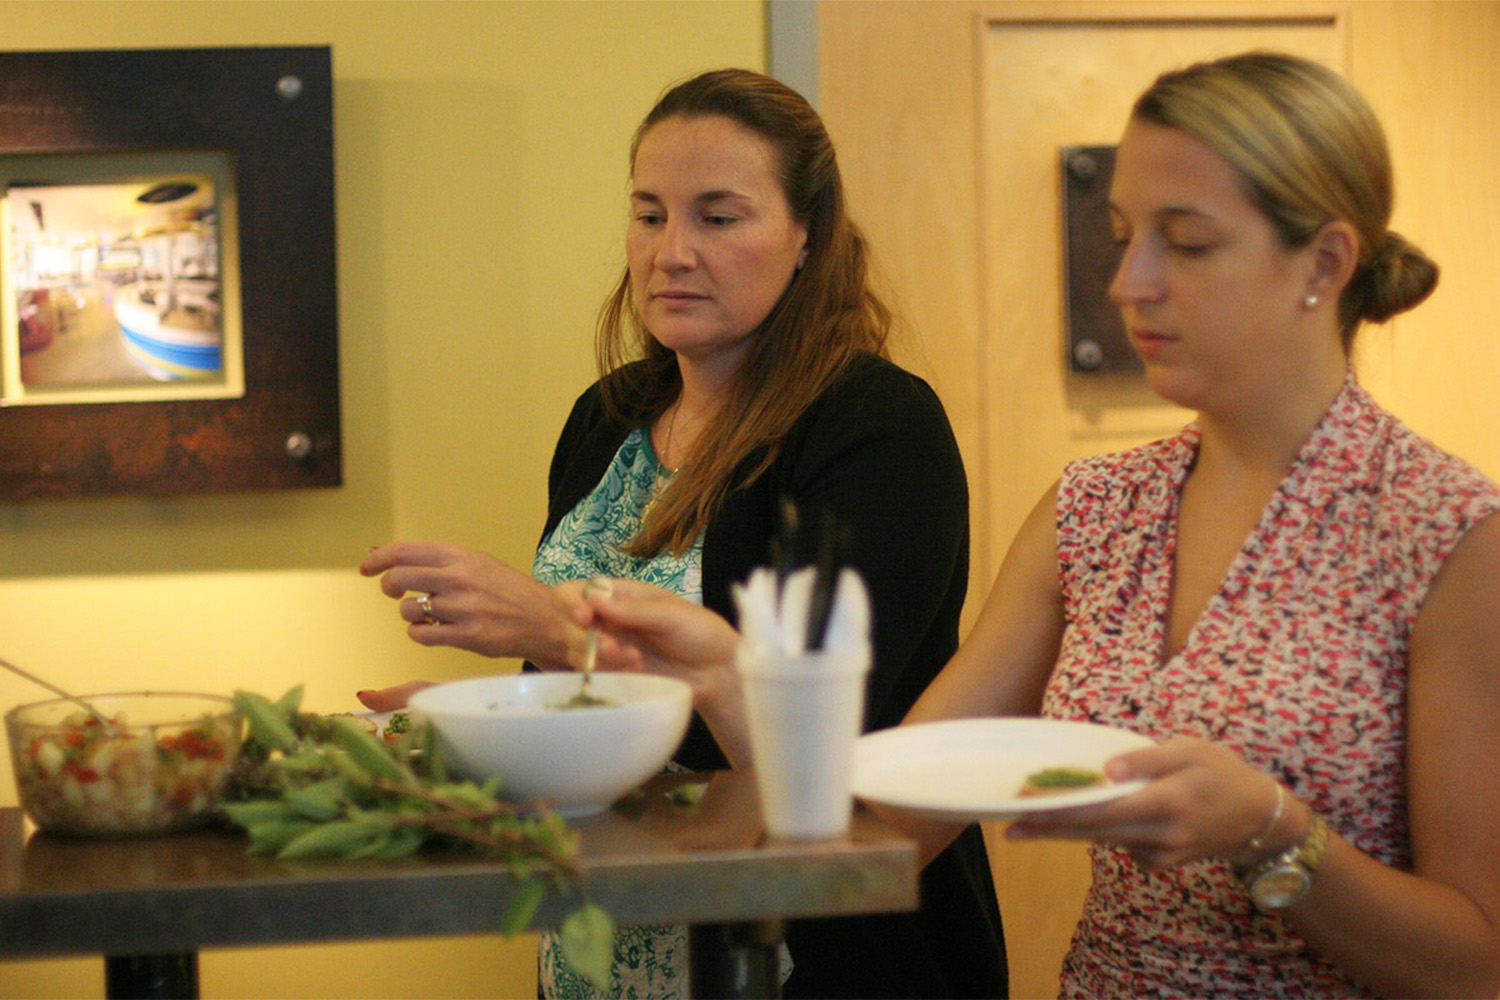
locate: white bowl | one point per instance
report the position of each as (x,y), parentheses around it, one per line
(577,760)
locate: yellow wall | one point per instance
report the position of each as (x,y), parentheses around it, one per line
(480,178)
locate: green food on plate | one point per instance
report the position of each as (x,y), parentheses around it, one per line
(1051,780)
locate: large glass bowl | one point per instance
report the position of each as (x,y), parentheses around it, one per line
(160,764)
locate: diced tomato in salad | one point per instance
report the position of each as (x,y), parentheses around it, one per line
(194,745)
(88,777)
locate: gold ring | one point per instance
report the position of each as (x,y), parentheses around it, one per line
(424,601)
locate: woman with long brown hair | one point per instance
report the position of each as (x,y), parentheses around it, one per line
(744,363)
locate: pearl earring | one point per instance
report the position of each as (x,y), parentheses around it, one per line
(1311,301)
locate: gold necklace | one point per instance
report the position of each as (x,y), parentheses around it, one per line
(663,474)
(662,478)
(661,459)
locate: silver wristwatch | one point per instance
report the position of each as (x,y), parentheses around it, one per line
(1283,880)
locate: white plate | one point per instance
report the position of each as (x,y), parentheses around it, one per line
(972,769)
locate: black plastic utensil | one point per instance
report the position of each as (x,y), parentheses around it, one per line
(830,559)
(784,544)
(822,544)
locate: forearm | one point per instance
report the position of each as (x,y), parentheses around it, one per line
(1003,665)
(1435,932)
(550,646)
(932,836)
(1399,934)
(722,706)
(544,637)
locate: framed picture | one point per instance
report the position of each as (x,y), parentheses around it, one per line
(119,279)
(168,310)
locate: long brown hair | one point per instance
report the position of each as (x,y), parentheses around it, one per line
(1309,150)
(826,315)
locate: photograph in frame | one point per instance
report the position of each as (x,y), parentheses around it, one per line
(119,278)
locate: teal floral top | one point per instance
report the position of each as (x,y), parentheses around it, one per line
(587,541)
(650,961)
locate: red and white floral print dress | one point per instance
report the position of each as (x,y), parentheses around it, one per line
(1298,662)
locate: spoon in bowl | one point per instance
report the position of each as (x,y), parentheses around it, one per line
(103,719)
(596,585)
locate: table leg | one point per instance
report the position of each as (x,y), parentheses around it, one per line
(732,961)
(151,977)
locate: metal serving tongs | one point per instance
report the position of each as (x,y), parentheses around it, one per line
(104,720)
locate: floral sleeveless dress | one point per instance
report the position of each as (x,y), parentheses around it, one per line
(650,961)
(1298,662)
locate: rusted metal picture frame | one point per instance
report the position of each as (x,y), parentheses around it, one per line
(168,301)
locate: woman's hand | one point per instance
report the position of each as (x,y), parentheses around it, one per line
(451,596)
(650,629)
(1201,800)
(390,699)
(645,628)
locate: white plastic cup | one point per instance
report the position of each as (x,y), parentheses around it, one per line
(805,714)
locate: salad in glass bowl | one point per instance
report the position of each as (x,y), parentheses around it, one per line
(148,763)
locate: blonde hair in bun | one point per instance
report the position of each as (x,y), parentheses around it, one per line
(1309,151)
(1391,280)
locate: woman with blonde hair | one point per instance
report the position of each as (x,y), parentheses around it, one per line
(1294,597)
(744,364)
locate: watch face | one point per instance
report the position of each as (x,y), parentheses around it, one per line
(1280,887)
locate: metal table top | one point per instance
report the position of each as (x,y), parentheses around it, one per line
(645,861)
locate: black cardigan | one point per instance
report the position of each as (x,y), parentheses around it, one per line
(876,450)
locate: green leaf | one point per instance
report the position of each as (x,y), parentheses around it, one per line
(408,806)
(399,842)
(522,866)
(373,847)
(406,743)
(267,723)
(267,839)
(367,751)
(289,703)
(434,763)
(339,763)
(336,839)
(248,814)
(522,907)
(312,760)
(466,794)
(553,832)
(687,796)
(322,786)
(587,938)
(321,801)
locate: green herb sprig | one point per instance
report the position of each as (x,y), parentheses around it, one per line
(310,786)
